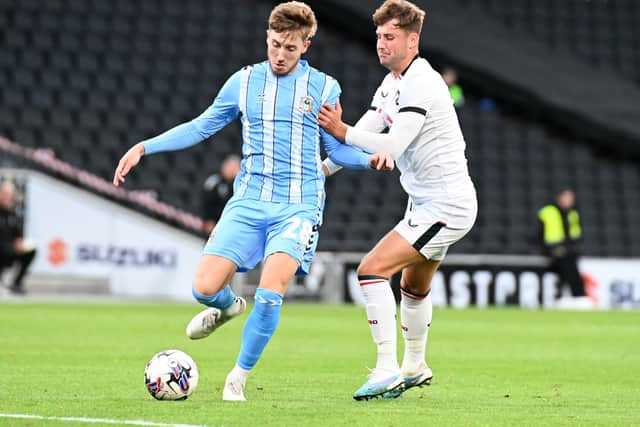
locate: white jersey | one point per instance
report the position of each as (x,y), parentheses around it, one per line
(433,165)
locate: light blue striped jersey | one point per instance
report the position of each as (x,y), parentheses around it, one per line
(279,114)
(281,150)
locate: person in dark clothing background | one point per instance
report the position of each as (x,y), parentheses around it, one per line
(560,233)
(217,190)
(13,247)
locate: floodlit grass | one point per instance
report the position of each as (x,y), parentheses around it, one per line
(491,367)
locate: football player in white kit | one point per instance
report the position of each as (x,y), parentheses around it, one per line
(425,139)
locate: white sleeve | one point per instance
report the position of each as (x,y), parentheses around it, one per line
(404,130)
(414,103)
(371,121)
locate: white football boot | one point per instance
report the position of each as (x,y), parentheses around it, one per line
(234,389)
(418,378)
(207,321)
(380,383)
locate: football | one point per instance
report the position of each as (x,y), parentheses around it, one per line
(171,375)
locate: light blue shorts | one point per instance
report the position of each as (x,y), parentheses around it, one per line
(251,230)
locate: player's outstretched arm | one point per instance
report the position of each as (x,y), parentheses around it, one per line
(381,161)
(404,130)
(342,155)
(130,159)
(223,110)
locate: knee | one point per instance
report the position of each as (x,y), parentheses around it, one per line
(369,267)
(418,289)
(363,267)
(205,285)
(373,264)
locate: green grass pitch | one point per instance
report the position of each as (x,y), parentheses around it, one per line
(491,367)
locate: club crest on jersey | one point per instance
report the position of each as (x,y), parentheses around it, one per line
(306,104)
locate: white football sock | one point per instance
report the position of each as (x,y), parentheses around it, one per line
(381,313)
(415,316)
(239,373)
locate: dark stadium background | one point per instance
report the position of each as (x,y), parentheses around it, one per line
(87,79)
(552,92)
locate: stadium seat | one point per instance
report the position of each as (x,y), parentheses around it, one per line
(118,72)
(593,31)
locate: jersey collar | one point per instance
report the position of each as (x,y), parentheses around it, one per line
(303,67)
(401,75)
(409,66)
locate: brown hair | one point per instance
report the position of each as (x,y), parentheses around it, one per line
(410,17)
(293,16)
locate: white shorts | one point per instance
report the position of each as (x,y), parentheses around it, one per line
(431,230)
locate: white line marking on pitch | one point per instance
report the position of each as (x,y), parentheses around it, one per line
(98,420)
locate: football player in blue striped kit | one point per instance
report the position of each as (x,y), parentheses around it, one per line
(276,209)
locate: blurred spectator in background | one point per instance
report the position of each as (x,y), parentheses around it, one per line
(560,233)
(217,190)
(13,247)
(450,76)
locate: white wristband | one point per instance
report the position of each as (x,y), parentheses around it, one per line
(331,166)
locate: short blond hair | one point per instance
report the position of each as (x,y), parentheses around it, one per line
(410,17)
(294,16)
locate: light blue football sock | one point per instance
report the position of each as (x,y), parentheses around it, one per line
(259,327)
(221,299)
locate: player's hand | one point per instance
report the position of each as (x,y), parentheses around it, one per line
(331,120)
(381,161)
(127,162)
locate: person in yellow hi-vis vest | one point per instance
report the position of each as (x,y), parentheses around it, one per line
(560,234)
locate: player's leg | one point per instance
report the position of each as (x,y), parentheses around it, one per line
(415,317)
(223,254)
(389,256)
(289,244)
(211,288)
(278,272)
(430,238)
